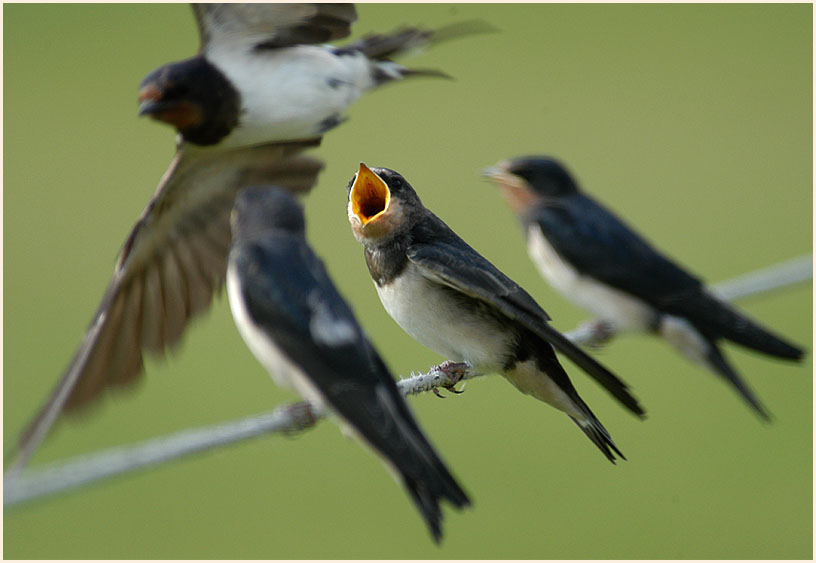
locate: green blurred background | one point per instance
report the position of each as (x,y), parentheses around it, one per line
(694,122)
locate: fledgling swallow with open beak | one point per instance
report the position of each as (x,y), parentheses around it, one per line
(304,333)
(452,300)
(597,261)
(264,73)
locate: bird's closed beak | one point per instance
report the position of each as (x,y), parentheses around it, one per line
(514,188)
(495,172)
(150,101)
(181,114)
(369,195)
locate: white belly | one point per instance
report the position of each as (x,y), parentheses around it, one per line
(528,379)
(425,311)
(287,95)
(616,307)
(283,371)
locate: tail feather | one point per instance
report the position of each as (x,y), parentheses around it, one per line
(721,366)
(381,46)
(423,473)
(719,319)
(596,432)
(614,385)
(428,490)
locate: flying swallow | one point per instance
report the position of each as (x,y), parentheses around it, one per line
(594,259)
(304,333)
(452,300)
(264,75)
(258,82)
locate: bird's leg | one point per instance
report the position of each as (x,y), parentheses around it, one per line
(455,372)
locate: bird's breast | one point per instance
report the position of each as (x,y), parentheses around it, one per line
(281,368)
(623,310)
(446,321)
(291,94)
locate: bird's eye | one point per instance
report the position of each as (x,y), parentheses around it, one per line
(396,183)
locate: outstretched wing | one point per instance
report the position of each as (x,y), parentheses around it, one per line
(451,261)
(172,263)
(271,25)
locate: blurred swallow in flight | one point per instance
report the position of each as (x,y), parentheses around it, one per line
(452,300)
(263,73)
(304,333)
(594,259)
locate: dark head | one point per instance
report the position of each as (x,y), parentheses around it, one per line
(525,180)
(259,209)
(381,203)
(194,97)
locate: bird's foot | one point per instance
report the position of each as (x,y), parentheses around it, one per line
(455,372)
(302,416)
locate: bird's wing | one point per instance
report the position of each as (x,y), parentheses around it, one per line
(600,245)
(449,260)
(289,295)
(172,263)
(271,25)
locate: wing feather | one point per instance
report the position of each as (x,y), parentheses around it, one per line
(175,255)
(271,25)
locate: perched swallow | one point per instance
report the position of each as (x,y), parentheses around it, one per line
(452,300)
(599,263)
(263,75)
(304,333)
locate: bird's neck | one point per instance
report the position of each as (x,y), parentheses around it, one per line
(387,260)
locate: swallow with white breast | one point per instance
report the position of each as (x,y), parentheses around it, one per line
(263,73)
(597,261)
(452,300)
(304,333)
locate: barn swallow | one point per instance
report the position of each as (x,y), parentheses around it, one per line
(304,333)
(452,300)
(264,75)
(597,261)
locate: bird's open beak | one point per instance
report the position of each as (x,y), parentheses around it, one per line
(369,196)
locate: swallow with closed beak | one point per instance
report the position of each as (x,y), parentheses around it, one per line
(304,333)
(265,73)
(597,261)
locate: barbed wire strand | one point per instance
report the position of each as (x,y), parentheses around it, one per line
(296,417)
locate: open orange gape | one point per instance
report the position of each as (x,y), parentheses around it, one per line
(370,195)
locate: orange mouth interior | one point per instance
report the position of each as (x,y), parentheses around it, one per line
(369,195)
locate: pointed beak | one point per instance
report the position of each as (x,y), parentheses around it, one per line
(496,172)
(513,188)
(369,195)
(150,100)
